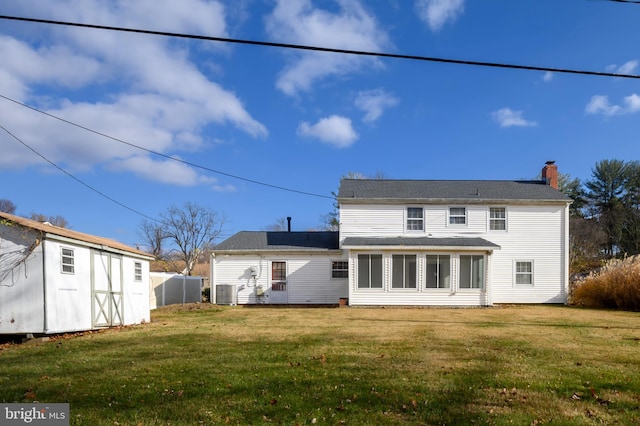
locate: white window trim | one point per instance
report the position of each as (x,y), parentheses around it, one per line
(137,278)
(506,219)
(332,270)
(449,289)
(484,274)
(406,220)
(73,257)
(515,273)
(458,225)
(356,274)
(405,289)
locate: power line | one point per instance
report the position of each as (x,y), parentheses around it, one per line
(327,49)
(75,178)
(159,154)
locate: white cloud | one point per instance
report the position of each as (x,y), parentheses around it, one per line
(548,76)
(352,28)
(334,130)
(599,104)
(628,68)
(145,90)
(374,102)
(436,13)
(506,117)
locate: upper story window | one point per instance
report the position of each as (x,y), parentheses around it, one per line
(457,215)
(415,219)
(497,218)
(137,271)
(339,269)
(68,261)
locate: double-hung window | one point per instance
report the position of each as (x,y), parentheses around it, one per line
(471,272)
(438,271)
(339,269)
(457,215)
(415,219)
(497,218)
(369,271)
(524,272)
(404,271)
(67,261)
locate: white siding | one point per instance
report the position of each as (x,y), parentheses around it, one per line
(135,293)
(68,298)
(21,282)
(535,233)
(308,278)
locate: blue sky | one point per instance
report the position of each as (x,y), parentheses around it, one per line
(301,120)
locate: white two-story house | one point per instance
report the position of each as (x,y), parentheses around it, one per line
(412,242)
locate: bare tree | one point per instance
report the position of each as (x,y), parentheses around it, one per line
(153,236)
(7,206)
(58,221)
(192,228)
(279,225)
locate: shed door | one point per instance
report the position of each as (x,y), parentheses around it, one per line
(107,290)
(279,283)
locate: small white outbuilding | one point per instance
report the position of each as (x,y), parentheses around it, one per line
(56,280)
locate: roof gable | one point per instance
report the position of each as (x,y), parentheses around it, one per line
(69,233)
(448,190)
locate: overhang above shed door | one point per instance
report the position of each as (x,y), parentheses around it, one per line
(107,303)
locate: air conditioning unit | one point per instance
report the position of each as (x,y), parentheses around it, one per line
(226,294)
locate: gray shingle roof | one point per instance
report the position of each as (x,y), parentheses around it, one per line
(447,190)
(288,241)
(420,242)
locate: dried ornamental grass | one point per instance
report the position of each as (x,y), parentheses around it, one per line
(615,286)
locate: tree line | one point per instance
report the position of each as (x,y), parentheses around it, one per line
(605,214)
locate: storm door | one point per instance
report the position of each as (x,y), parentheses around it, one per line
(279,283)
(107,289)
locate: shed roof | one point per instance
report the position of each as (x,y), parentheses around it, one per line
(458,243)
(448,190)
(279,241)
(47,228)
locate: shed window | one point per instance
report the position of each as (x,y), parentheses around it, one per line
(415,219)
(404,274)
(457,215)
(472,271)
(339,269)
(524,272)
(67,261)
(497,218)
(137,274)
(369,271)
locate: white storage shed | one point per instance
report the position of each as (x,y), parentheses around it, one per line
(56,280)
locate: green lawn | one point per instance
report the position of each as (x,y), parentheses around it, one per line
(203,364)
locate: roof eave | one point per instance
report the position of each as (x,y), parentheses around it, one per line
(420,247)
(350,200)
(275,251)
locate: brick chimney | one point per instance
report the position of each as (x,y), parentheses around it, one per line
(550,174)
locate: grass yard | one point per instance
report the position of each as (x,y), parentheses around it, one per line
(203,364)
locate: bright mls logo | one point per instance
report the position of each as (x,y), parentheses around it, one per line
(36,414)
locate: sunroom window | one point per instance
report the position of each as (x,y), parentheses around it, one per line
(369,271)
(471,271)
(438,271)
(404,273)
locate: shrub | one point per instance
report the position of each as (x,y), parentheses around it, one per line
(614,286)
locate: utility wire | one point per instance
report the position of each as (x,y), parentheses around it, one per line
(326,49)
(159,154)
(75,178)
